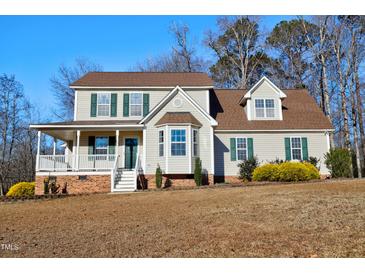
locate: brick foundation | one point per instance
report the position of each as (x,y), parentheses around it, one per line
(227,179)
(176,181)
(92,184)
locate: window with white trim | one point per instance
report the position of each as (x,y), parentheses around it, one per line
(101,145)
(103,104)
(265,108)
(136,104)
(161,141)
(296,148)
(241,149)
(178,142)
(195,142)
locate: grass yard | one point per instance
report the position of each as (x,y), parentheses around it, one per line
(301,220)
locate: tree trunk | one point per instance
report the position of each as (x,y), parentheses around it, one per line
(326,97)
(355,129)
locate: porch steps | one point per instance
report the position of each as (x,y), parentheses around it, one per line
(124,181)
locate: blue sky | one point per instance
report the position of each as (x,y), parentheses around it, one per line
(32,47)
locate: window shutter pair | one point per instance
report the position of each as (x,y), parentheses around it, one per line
(91,145)
(304,148)
(250,153)
(146,104)
(113,105)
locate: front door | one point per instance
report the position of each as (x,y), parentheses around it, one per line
(131,146)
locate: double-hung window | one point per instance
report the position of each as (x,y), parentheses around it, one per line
(103,104)
(195,142)
(101,147)
(161,141)
(178,142)
(296,148)
(241,149)
(265,108)
(136,104)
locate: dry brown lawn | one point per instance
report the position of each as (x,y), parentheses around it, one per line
(301,220)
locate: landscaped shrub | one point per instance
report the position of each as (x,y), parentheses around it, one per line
(246,168)
(22,189)
(158,176)
(277,161)
(198,177)
(286,172)
(314,161)
(266,172)
(313,171)
(338,162)
(293,172)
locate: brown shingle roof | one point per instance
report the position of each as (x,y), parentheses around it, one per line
(300,111)
(178,118)
(92,123)
(140,79)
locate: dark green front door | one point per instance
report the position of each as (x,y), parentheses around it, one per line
(131,146)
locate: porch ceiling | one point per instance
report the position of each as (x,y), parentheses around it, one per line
(65,130)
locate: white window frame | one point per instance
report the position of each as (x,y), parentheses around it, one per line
(291,148)
(265,108)
(195,142)
(180,142)
(245,138)
(130,104)
(161,143)
(97,103)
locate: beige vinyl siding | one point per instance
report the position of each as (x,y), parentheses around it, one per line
(84,141)
(177,164)
(84,97)
(267,147)
(265,91)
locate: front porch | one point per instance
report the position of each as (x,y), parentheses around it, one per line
(113,153)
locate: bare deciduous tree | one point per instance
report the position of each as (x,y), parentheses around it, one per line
(60,85)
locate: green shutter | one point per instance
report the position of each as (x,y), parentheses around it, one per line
(113,105)
(126,104)
(305,148)
(93,103)
(91,145)
(146,104)
(111,144)
(250,148)
(287,149)
(233,149)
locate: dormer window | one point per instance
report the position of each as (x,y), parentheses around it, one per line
(264,108)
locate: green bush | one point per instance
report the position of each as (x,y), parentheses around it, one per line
(267,172)
(246,168)
(338,162)
(158,176)
(22,189)
(314,161)
(198,177)
(286,172)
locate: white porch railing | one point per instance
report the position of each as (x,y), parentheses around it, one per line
(85,162)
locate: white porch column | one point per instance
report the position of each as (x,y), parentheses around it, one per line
(116,143)
(167,152)
(54,146)
(188,137)
(144,155)
(38,150)
(77,149)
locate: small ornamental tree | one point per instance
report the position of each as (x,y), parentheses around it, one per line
(158,177)
(198,177)
(246,168)
(338,162)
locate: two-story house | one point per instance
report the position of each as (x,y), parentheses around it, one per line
(126,124)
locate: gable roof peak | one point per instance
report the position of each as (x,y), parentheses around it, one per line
(259,83)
